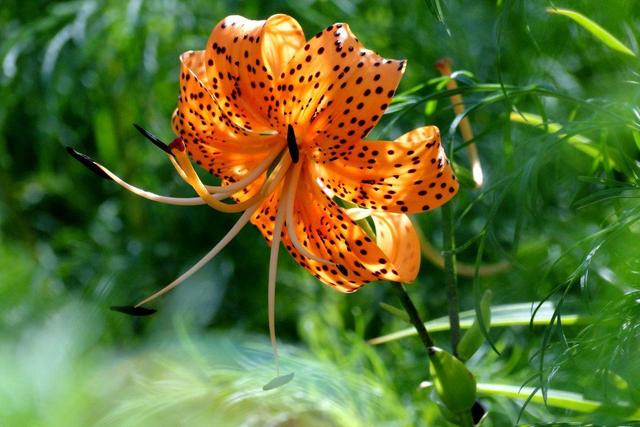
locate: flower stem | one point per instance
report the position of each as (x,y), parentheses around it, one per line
(451,274)
(414,317)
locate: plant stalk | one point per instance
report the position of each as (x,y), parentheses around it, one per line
(449,243)
(414,317)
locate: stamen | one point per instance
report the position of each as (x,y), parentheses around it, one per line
(242,221)
(154,139)
(271,288)
(292,144)
(192,179)
(289,198)
(88,162)
(235,186)
(276,176)
(103,172)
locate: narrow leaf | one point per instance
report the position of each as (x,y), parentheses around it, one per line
(395,311)
(501,316)
(473,337)
(598,32)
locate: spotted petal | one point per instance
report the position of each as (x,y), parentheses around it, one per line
(326,230)
(331,71)
(242,57)
(397,238)
(214,141)
(408,175)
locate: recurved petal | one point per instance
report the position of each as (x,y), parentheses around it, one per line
(327,231)
(320,77)
(212,139)
(242,59)
(353,109)
(408,175)
(397,238)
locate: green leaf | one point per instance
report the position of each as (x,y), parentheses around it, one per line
(636,138)
(430,107)
(501,316)
(578,141)
(554,398)
(453,382)
(435,9)
(395,311)
(473,337)
(598,32)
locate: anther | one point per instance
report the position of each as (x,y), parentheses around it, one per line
(133,311)
(292,144)
(88,163)
(154,139)
(177,144)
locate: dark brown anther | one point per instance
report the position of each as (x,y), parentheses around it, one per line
(154,139)
(133,310)
(88,163)
(292,144)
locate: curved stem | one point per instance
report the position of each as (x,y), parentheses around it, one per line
(414,317)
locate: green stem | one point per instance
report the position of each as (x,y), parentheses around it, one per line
(414,317)
(465,419)
(451,275)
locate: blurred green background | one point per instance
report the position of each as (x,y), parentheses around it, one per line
(79,73)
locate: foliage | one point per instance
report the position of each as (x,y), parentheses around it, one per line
(557,123)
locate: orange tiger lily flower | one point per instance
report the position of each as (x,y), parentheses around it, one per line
(281,122)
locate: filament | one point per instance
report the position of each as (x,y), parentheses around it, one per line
(179,201)
(193,180)
(235,186)
(271,288)
(242,221)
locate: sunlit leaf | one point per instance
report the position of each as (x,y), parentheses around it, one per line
(600,33)
(501,316)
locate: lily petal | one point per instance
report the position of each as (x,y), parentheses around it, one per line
(397,238)
(358,102)
(411,174)
(216,143)
(242,59)
(314,75)
(326,230)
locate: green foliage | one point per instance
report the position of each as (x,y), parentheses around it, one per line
(453,382)
(557,125)
(474,337)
